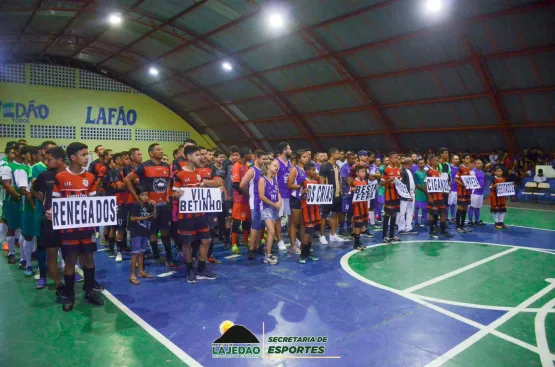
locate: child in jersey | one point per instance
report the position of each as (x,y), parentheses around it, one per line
(392,202)
(141,214)
(311,214)
(463,194)
(436,203)
(421,200)
(497,206)
(270,203)
(360,209)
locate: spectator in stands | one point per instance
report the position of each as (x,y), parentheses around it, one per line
(539,178)
(493,157)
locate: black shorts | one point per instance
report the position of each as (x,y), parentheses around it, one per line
(123,213)
(294,203)
(332,208)
(80,249)
(49,238)
(190,229)
(163,219)
(361,224)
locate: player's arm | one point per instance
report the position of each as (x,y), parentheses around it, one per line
(291,185)
(36,189)
(10,189)
(128,182)
(244,185)
(458,179)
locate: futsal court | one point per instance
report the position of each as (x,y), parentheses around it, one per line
(482,299)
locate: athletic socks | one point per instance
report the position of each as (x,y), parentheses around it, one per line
(120,245)
(41,258)
(385,225)
(69,281)
(501,218)
(432,223)
(166,241)
(201,266)
(234,238)
(11,245)
(305,250)
(453,208)
(392,221)
(189,266)
(458,219)
(372,218)
(357,240)
(477,214)
(88,274)
(470,213)
(111,243)
(154,245)
(442,226)
(463,218)
(27,251)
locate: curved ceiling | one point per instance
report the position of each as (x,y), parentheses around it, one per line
(357,74)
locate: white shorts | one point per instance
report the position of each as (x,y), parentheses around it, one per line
(476,201)
(285,208)
(452,200)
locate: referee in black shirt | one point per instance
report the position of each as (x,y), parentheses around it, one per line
(329,174)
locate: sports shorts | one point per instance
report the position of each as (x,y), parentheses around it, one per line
(241,212)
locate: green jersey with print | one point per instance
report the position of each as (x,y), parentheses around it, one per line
(419,178)
(10,172)
(26,206)
(381,189)
(36,170)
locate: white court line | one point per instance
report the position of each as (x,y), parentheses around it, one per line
(179,353)
(477,305)
(458,271)
(465,344)
(232,256)
(541,338)
(536,210)
(539,229)
(163,275)
(345,265)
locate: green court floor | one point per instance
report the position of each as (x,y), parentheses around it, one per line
(34,331)
(541,219)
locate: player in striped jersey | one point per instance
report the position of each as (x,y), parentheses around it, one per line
(311,213)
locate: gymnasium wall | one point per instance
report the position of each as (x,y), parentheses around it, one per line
(46,102)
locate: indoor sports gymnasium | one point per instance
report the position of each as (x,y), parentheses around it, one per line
(279,183)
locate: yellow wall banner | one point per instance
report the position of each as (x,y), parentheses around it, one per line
(130,119)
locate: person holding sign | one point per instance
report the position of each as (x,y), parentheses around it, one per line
(477,196)
(77,243)
(360,208)
(270,204)
(140,217)
(392,198)
(436,204)
(404,219)
(421,196)
(497,206)
(192,226)
(294,183)
(329,175)
(311,213)
(463,194)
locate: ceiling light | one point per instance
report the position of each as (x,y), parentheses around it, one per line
(276,20)
(115,18)
(227,66)
(434,6)
(153,71)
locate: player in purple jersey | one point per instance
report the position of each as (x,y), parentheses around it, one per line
(346,205)
(452,201)
(283,154)
(294,183)
(477,195)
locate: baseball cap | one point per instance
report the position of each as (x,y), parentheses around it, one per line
(362,152)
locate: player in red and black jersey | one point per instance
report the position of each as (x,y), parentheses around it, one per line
(77,243)
(42,189)
(154,176)
(311,213)
(193,226)
(392,198)
(463,194)
(497,207)
(116,187)
(436,203)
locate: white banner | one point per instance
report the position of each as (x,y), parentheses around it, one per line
(83,211)
(402,189)
(505,189)
(437,184)
(365,193)
(470,182)
(200,200)
(320,194)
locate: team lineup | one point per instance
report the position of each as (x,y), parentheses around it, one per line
(204,195)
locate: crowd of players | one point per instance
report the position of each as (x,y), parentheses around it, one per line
(261,192)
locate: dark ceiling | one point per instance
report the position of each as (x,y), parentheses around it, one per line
(351,73)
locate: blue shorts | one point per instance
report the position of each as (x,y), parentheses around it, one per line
(256,220)
(347,205)
(138,245)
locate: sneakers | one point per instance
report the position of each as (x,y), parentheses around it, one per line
(434,235)
(295,250)
(191,277)
(22,264)
(336,238)
(67,305)
(387,240)
(447,235)
(359,246)
(297,242)
(504,226)
(93,299)
(367,233)
(28,271)
(60,291)
(460,230)
(37,276)
(480,223)
(111,254)
(251,255)
(270,259)
(420,225)
(395,239)
(466,229)
(41,283)
(281,245)
(98,287)
(402,233)
(323,240)
(235,249)
(412,232)
(78,278)
(207,275)
(11,259)
(302,260)
(119,257)
(470,224)
(213,260)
